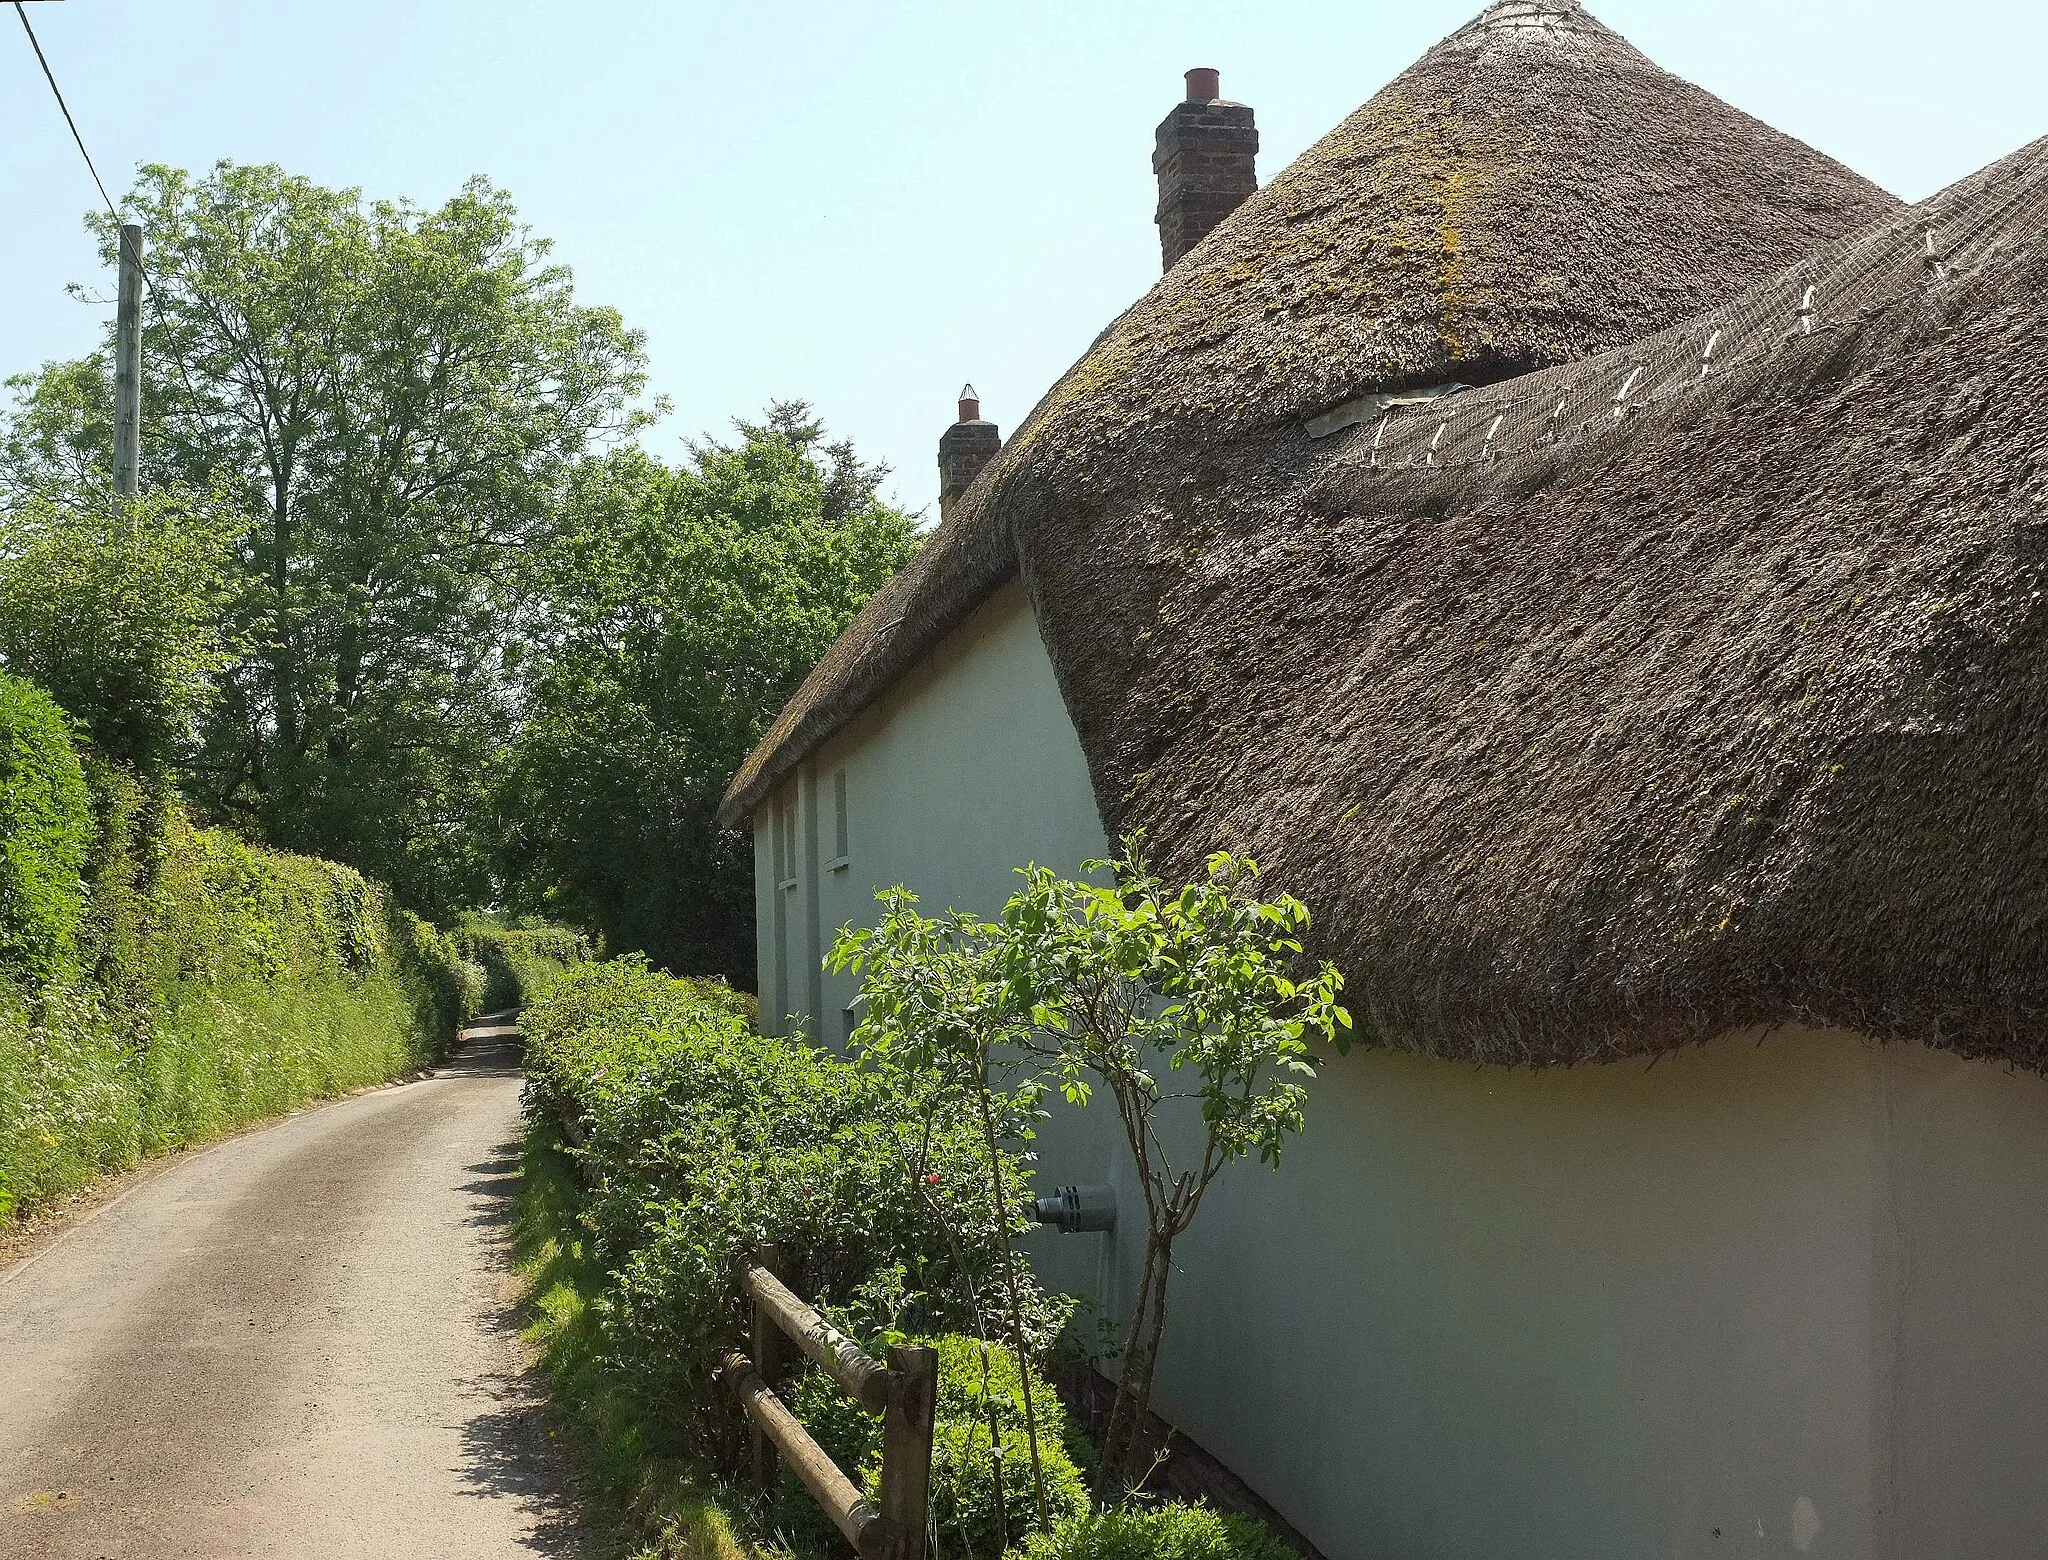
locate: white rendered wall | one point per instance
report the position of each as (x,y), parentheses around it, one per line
(1758,1294)
(966,770)
(1765,1298)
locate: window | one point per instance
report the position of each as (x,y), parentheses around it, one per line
(849,1021)
(781,850)
(839,850)
(785,843)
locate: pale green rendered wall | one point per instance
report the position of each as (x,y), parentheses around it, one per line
(968,769)
(1769,1297)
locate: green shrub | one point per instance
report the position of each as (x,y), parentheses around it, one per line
(1174,1531)
(521,964)
(702,1140)
(669,1503)
(70,1105)
(46,831)
(963,1467)
(446,988)
(217,983)
(115,607)
(964,1487)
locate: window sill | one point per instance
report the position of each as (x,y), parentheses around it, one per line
(838,863)
(786,884)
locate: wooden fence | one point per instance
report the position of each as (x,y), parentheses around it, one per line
(904,1392)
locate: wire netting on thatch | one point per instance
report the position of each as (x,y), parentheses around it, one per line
(1947,237)
(1531,191)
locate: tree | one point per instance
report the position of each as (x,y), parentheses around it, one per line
(115,608)
(934,1007)
(1131,988)
(683,607)
(57,445)
(393,399)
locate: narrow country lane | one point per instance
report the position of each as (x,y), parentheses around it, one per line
(297,1343)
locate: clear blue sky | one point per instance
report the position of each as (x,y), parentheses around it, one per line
(864,203)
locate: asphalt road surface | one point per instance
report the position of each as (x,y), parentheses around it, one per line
(297,1343)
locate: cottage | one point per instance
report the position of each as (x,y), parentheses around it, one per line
(1591,547)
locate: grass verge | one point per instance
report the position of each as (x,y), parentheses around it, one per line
(657,1508)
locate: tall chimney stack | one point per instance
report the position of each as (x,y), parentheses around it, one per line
(1205,154)
(964,449)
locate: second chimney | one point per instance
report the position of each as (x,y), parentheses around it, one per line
(964,449)
(1205,155)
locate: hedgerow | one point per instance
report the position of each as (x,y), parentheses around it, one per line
(701,1140)
(521,964)
(666,1139)
(45,831)
(199,982)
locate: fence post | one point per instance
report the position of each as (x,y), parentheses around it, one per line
(768,1357)
(907,1448)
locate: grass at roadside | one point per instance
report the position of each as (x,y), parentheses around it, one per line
(661,1508)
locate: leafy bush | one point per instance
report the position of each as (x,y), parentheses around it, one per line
(698,1141)
(963,1464)
(70,1105)
(1113,985)
(521,964)
(447,988)
(701,1141)
(964,1487)
(116,609)
(1167,1532)
(216,983)
(45,830)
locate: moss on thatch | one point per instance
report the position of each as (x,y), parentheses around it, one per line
(1531,191)
(1733,713)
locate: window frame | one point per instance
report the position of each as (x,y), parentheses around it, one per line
(842,853)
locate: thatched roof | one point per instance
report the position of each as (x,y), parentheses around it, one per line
(1697,684)
(1531,191)
(1591,732)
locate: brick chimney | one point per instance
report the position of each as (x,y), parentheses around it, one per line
(964,449)
(1205,155)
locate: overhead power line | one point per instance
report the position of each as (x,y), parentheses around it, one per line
(51,76)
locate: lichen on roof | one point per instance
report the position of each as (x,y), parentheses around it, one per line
(1728,713)
(1531,191)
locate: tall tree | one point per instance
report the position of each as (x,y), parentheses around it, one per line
(685,605)
(395,398)
(115,608)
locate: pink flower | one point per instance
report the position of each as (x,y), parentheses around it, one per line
(932,1179)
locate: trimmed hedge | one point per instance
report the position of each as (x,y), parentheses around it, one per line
(701,1140)
(46,831)
(210,983)
(521,964)
(697,1139)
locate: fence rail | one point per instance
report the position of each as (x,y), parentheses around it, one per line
(904,1392)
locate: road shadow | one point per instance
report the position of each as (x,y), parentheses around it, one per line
(508,1450)
(486,1056)
(509,1443)
(493,1193)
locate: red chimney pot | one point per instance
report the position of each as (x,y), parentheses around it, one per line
(970,404)
(1205,84)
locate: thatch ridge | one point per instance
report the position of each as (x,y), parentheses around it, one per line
(1532,190)
(1730,712)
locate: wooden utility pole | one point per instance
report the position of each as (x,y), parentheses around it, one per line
(128,366)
